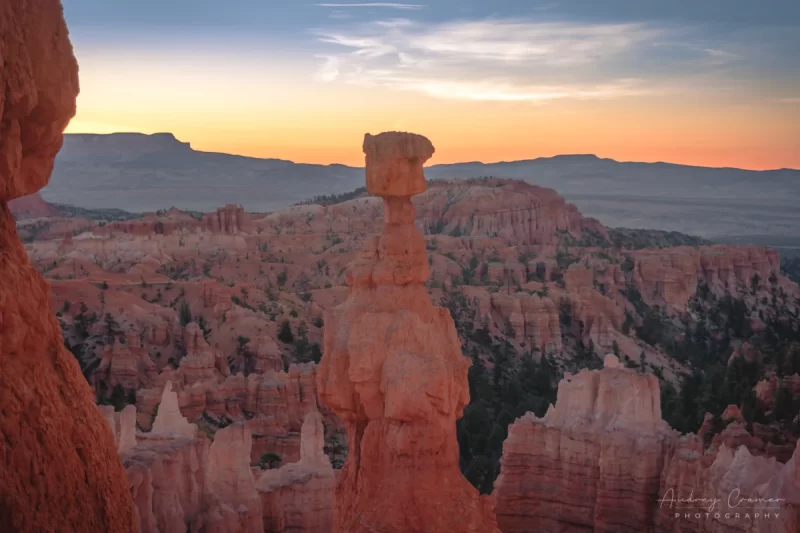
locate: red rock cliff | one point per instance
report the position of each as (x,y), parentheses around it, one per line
(59,469)
(512,211)
(393,372)
(603,460)
(592,463)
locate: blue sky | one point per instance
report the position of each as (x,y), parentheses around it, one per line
(540,52)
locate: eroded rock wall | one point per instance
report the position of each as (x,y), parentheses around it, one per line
(603,460)
(59,469)
(300,497)
(593,462)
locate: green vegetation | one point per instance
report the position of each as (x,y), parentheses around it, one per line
(716,381)
(564,259)
(635,239)
(108,215)
(499,393)
(305,351)
(331,199)
(185,314)
(791,268)
(269,461)
(503,385)
(285,334)
(241,343)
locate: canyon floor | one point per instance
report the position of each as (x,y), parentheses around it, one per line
(228,309)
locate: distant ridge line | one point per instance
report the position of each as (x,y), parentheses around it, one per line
(174,141)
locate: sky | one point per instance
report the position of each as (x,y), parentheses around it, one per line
(701,82)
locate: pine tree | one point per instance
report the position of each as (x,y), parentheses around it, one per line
(185,313)
(285,334)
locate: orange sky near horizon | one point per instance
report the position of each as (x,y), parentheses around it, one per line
(752,145)
(280,111)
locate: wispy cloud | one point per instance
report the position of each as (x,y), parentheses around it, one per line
(721,56)
(791,100)
(490,91)
(490,60)
(701,54)
(507,41)
(329,71)
(340,15)
(375,4)
(524,60)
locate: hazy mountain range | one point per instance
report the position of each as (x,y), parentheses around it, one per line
(140,172)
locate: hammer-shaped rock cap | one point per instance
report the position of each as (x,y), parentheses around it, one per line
(394,163)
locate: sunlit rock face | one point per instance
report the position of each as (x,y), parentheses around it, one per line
(180,481)
(169,421)
(300,497)
(672,276)
(515,212)
(59,469)
(592,463)
(393,372)
(603,460)
(167,470)
(231,498)
(227,219)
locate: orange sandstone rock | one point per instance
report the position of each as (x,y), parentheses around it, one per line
(166,476)
(511,211)
(228,219)
(266,356)
(394,163)
(180,484)
(202,362)
(169,421)
(602,460)
(394,374)
(592,462)
(128,364)
(671,276)
(235,506)
(729,474)
(300,497)
(59,469)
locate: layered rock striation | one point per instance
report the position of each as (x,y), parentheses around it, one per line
(182,482)
(167,471)
(300,497)
(512,211)
(231,497)
(227,219)
(603,460)
(593,462)
(735,491)
(393,372)
(671,276)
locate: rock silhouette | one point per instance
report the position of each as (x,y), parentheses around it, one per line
(59,469)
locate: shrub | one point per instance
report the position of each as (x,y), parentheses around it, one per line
(285,334)
(269,461)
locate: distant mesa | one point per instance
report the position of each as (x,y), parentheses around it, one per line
(140,173)
(115,144)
